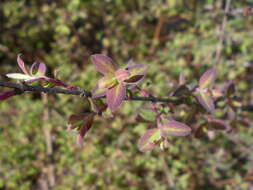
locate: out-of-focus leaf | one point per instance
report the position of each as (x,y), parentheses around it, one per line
(218,124)
(200,132)
(21,64)
(216,93)
(19,76)
(140,118)
(229,88)
(206,101)
(104,64)
(149,139)
(115,96)
(236,102)
(207,78)
(182,91)
(122,74)
(175,128)
(164,144)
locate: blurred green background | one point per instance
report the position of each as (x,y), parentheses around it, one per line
(36,150)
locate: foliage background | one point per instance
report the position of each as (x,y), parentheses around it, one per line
(36,150)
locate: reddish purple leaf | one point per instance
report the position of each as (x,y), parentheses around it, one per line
(175,128)
(21,64)
(137,73)
(207,78)
(103,64)
(6,95)
(122,74)
(206,101)
(149,139)
(134,79)
(83,131)
(115,96)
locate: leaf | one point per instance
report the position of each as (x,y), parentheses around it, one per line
(97,105)
(141,119)
(122,74)
(200,132)
(115,96)
(134,79)
(149,139)
(20,76)
(75,121)
(21,64)
(207,78)
(206,101)
(182,90)
(229,88)
(175,128)
(216,93)
(6,95)
(103,64)
(218,124)
(38,69)
(137,73)
(107,82)
(83,131)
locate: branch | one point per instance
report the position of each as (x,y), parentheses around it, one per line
(21,88)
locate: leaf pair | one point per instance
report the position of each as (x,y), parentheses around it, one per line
(157,136)
(114,83)
(81,123)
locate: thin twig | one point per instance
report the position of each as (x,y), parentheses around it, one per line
(222,32)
